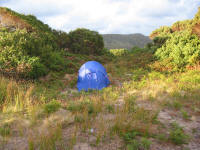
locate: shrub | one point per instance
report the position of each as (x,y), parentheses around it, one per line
(28,47)
(162,29)
(52,106)
(28,55)
(178,44)
(133,144)
(177,135)
(119,52)
(84,41)
(62,39)
(182,48)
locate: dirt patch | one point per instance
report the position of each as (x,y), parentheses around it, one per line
(15,143)
(191,127)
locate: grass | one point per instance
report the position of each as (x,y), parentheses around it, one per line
(5,131)
(51,107)
(177,135)
(128,109)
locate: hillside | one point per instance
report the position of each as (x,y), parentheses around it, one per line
(127,41)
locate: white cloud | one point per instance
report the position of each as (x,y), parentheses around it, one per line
(107,16)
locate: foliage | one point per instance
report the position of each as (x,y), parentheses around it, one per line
(28,55)
(191,77)
(177,135)
(182,48)
(134,144)
(182,25)
(51,107)
(119,52)
(5,130)
(179,44)
(62,39)
(84,41)
(162,29)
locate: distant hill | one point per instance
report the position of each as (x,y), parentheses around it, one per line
(125,40)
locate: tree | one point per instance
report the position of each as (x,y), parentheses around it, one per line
(84,41)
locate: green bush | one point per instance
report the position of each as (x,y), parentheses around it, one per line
(62,39)
(119,52)
(52,106)
(182,48)
(179,45)
(28,47)
(162,29)
(177,135)
(28,55)
(84,41)
(134,144)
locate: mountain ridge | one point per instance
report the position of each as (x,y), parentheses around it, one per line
(126,41)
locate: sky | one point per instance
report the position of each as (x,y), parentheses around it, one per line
(107,16)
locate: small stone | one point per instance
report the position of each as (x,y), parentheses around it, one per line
(193,118)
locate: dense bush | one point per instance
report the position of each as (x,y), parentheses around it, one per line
(28,47)
(178,45)
(52,106)
(62,39)
(182,48)
(162,29)
(28,55)
(84,41)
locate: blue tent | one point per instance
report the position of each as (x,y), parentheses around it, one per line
(92,75)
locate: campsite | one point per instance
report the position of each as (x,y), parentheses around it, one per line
(65,91)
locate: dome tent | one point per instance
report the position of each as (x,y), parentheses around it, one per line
(92,75)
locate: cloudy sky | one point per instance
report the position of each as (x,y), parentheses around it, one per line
(107,16)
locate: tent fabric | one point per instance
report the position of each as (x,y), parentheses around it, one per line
(92,75)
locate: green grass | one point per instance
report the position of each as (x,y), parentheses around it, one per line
(5,131)
(177,135)
(51,107)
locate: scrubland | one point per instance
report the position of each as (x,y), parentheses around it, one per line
(141,109)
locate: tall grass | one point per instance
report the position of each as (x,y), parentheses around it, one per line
(14,96)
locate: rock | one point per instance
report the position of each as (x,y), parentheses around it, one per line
(193,118)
